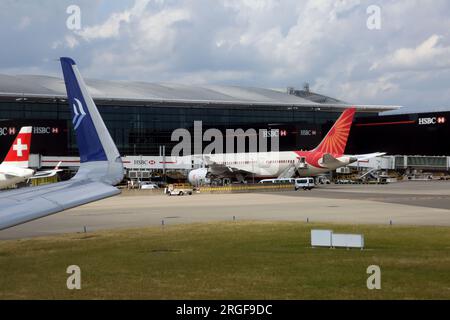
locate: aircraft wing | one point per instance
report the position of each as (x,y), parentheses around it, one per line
(31,203)
(328,161)
(217,169)
(11,175)
(100,163)
(45,174)
(361,157)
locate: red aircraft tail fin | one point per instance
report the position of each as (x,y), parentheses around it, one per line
(336,139)
(19,152)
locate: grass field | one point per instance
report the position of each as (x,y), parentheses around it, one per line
(235,260)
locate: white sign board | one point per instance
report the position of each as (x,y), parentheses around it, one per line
(347,240)
(321,238)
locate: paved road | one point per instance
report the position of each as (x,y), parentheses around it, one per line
(412,203)
(431,194)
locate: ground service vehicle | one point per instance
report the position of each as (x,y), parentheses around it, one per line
(278,181)
(148,185)
(179,189)
(304,183)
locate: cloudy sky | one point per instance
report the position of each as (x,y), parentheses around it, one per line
(267,43)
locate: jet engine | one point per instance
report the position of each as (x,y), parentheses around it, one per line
(198,177)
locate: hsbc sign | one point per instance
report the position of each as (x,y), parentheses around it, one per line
(274,133)
(143,162)
(45,130)
(11,131)
(7,131)
(432,120)
(49,136)
(306,132)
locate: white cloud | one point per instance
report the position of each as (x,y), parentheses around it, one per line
(429,54)
(268,43)
(71,41)
(109,29)
(112,26)
(155,31)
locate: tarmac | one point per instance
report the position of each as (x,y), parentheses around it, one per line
(424,203)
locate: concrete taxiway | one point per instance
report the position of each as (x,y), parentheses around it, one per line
(405,203)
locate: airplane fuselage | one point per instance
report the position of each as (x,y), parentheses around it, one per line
(326,157)
(273,164)
(10,175)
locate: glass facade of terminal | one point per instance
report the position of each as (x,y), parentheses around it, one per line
(404,134)
(141,130)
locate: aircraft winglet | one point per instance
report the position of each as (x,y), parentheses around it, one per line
(100,169)
(98,153)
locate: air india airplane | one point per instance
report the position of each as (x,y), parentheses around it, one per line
(327,156)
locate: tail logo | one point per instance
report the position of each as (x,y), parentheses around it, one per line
(19,147)
(336,139)
(79,113)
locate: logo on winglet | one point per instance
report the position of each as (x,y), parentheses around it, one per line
(78,112)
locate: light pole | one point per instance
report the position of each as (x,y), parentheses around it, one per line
(140,168)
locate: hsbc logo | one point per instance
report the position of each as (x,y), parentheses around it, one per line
(7,131)
(306,132)
(143,162)
(41,130)
(45,130)
(432,120)
(271,133)
(11,131)
(274,133)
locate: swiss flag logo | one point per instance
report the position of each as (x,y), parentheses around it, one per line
(20,149)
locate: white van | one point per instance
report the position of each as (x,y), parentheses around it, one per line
(148,185)
(267,181)
(304,183)
(278,181)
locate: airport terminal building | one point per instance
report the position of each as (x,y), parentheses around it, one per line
(142,116)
